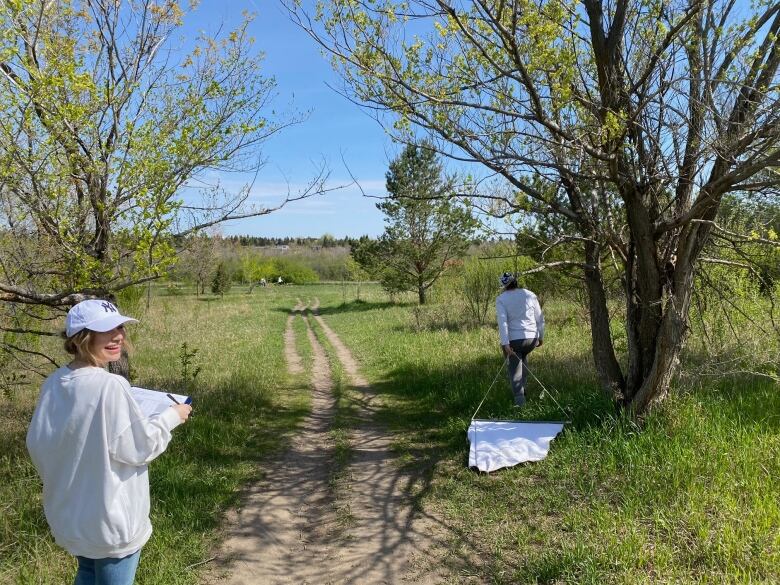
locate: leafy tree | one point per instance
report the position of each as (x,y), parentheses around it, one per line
(353,272)
(105,131)
(365,253)
(256,268)
(197,260)
(753,217)
(293,272)
(221,282)
(328,241)
(423,227)
(638,116)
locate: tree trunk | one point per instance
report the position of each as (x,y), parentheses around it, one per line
(655,385)
(668,344)
(121,367)
(669,340)
(634,373)
(656,314)
(421,294)
(644,292)
(607,367)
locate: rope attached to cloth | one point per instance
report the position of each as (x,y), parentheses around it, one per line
(498,373)
(544,389)
(476,438)
(493,383)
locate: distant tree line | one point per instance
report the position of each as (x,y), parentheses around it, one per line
(325,241)
(201,257)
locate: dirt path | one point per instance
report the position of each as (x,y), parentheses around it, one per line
(294,363)
(277,534)
(389,538)
(286,530)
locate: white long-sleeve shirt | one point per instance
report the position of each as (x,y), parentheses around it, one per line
(519,316)
(91,445)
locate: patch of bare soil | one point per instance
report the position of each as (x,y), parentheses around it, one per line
(294,363)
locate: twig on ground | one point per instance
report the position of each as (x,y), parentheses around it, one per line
(193,565)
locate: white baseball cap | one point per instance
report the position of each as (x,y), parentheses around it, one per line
(95,315)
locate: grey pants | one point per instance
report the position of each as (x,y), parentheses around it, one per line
(518,367)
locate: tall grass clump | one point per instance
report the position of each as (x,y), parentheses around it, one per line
(479,287)
(735,323)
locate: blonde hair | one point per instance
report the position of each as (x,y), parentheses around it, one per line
(79,345)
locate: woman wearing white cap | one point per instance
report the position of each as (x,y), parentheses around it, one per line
(91,446)
(520,329)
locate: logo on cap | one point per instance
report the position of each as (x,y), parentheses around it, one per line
(108,307)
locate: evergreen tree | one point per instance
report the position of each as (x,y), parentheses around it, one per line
(424,227)
(221,281)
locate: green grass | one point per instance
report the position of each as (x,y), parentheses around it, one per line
(245,408)
(691,497)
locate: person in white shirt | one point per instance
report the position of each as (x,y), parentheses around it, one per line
(520,329)
(91,446)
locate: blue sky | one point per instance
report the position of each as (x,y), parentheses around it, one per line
(335,128)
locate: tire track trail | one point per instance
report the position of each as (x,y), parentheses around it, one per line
(286,531)
(293,358)
(389,540)
(280,532)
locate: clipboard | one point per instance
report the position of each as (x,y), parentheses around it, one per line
(153,402)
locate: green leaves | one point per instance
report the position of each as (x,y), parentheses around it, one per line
(108,136)
(104,129)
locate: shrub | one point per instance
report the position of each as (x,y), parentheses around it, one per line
(479,287)
(294,272)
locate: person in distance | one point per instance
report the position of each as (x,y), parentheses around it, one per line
(91,446)
(520,329)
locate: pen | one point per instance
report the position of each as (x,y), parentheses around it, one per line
(172,398)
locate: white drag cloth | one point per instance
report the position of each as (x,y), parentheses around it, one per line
(497,444)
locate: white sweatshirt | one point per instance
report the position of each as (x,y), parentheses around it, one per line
(519,316)
(91,445)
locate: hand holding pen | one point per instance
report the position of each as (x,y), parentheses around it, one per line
(184,410)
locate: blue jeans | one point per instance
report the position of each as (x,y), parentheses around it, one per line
(518,367)
(107,571)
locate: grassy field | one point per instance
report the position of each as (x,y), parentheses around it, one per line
(691,497)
